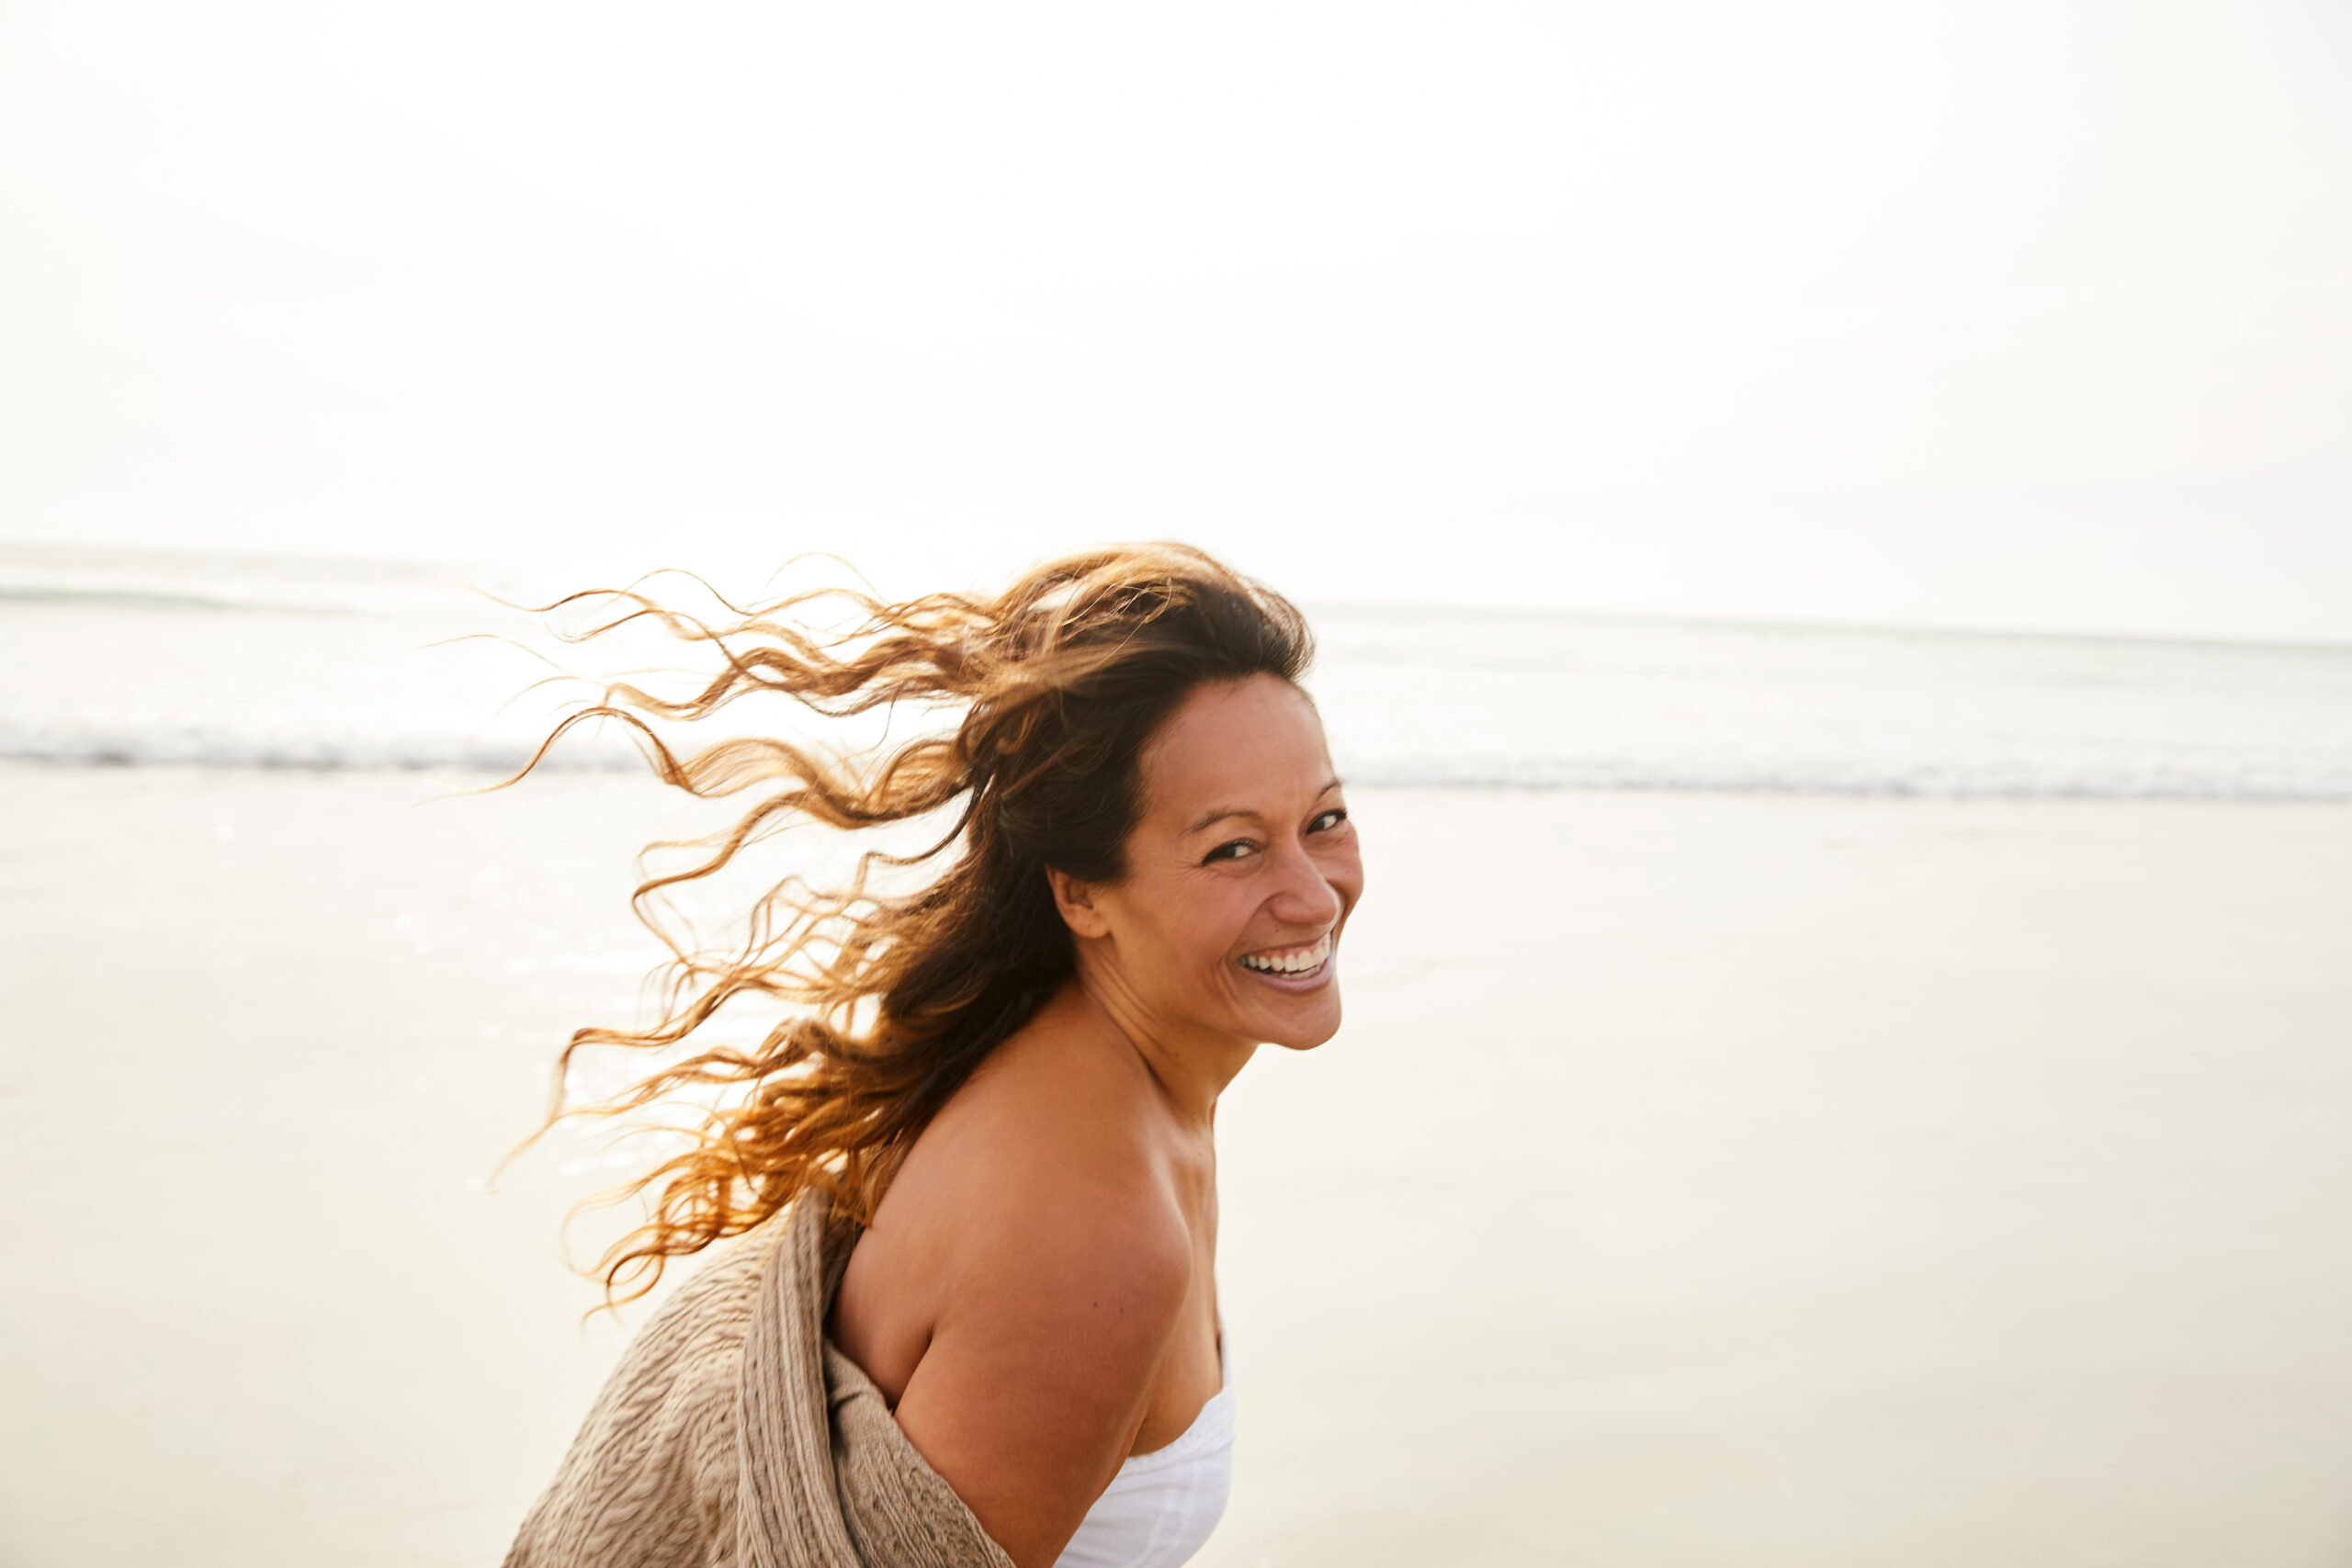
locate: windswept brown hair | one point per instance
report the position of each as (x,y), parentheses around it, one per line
(892,1000)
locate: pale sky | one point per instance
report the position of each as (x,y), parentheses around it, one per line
(2026,315)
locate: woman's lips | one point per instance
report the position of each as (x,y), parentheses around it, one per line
(1292,964)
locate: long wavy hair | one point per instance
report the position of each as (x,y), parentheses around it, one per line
(892,998)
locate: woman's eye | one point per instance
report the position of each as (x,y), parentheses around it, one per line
(1328,820)
(1234,850)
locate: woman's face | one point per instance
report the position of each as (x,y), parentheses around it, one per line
(1240,873)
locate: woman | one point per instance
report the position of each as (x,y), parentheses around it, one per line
(976,1317)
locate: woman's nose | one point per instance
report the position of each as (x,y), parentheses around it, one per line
(1305,897)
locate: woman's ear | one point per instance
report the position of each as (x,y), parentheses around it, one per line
(1075,900)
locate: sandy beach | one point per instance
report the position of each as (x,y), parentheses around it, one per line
(1701,1180)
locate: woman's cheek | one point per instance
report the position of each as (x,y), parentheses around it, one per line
(1343,869)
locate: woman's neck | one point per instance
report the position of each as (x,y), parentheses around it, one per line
(1188,1071)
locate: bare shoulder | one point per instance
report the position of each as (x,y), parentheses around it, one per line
(1046,1150)
(1050,1194)
(1057,1262)
(1038,1178)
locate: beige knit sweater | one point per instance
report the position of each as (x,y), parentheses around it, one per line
(733,1433)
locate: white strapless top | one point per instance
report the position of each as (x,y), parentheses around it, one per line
(1161,1507)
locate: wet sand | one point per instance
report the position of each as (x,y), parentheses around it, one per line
(1700,1181)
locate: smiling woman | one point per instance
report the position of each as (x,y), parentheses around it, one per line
(965,1311)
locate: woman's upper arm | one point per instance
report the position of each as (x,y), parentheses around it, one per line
(1039,1368)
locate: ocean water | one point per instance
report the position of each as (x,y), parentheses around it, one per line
(134,658)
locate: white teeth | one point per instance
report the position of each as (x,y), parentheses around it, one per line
(1306,961)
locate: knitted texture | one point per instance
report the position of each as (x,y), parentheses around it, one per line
(733,1434)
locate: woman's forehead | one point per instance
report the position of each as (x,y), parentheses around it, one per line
(1254,744)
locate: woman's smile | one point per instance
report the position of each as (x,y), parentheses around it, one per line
(1303,968)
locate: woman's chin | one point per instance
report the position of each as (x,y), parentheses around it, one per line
(1305,1022)
(1297,1012)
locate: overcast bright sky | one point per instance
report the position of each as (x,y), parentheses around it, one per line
(2016,314)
